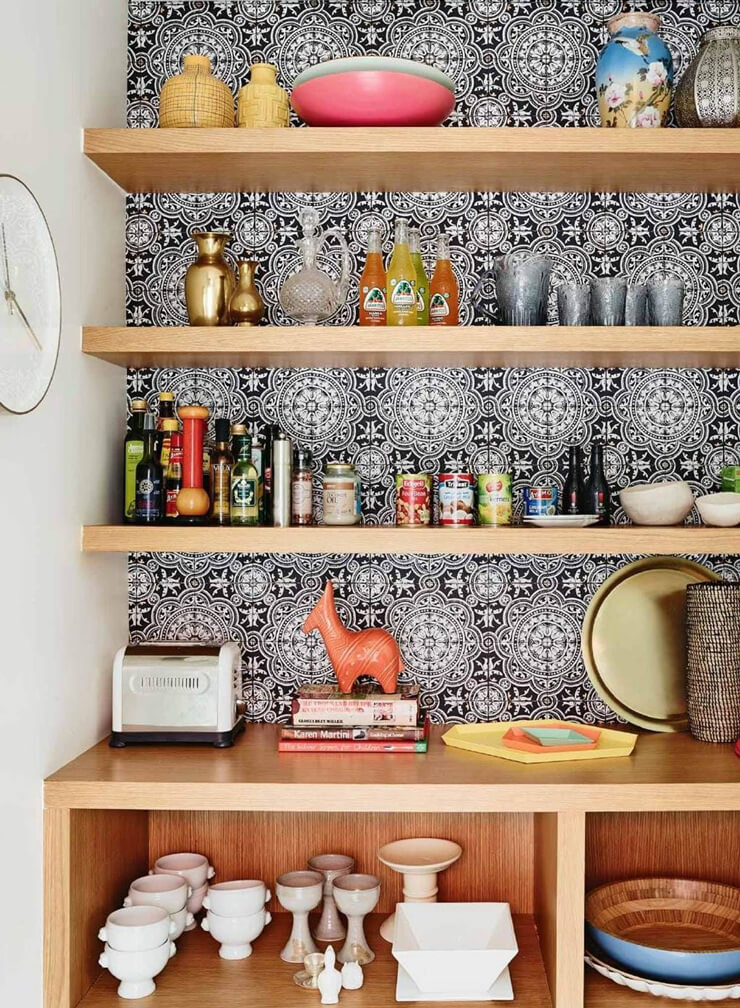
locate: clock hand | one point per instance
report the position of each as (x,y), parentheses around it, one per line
(14,300)
(8,291)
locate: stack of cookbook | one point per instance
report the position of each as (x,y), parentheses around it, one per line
(325,720)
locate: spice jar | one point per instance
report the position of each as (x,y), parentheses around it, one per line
(341,494)
(302,488)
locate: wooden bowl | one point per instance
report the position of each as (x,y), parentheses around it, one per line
(678,930)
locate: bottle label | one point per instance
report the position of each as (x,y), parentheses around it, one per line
(244,493)
(420,299)
(171,503)
(134,455)
(220,486)
(149,498)
(302,499)
(402,294)
(438,307)
(374,302)
(340,501)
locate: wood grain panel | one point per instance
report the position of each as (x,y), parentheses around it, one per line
(464,159)
(666,772)
(389,540)
(198,978)
(700,845)
(496,863)
(108,849)
(422,346)
(57,908)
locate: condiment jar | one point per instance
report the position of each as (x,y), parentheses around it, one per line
(341,494)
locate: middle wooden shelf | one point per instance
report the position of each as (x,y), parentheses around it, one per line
(390,539)
(418,346)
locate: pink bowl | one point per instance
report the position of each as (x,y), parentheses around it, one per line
(372,98)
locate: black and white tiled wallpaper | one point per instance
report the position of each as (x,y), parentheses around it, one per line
(486,637)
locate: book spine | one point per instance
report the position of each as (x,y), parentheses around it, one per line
(378,733)
(315,745)
(359,713)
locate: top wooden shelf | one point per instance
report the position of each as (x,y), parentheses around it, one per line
(467,159)
(665,773)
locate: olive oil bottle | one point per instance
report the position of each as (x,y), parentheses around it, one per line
(222,462)
(244,487)
(149,480)
(133,449)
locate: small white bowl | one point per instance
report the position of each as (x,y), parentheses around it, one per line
(237,898)
(137,928)
(170,892)
(192,867)
(720,509)
(235,934)
(182,920)
(665,503)
(136,970)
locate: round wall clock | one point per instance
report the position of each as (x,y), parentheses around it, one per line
(30,308)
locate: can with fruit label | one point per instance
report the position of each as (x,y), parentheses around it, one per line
(456,500)
(413,499)
(540,501)
(494,499)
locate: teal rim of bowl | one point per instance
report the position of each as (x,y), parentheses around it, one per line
(387,63)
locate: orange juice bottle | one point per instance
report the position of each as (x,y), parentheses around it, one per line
(372,283)
(422,282)
(401,309)
(444,295)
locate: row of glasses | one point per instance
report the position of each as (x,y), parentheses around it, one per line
(612,301)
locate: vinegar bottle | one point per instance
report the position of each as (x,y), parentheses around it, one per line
(443,295)
(373,283)
(422,281)
(401,309)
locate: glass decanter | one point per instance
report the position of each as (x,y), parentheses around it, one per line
(310,295)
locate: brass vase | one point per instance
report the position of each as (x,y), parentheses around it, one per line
(246,307)
(209,281)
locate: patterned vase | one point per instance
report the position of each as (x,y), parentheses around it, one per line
(709,92)
(263,102)
(634,75)
(195,98)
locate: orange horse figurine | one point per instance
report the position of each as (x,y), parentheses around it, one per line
(355,653)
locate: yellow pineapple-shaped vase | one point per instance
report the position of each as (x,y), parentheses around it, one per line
(263,102)
(195,97)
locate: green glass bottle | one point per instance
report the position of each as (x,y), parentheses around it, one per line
(149,479)
(133,449)
(422,281)
(244,487)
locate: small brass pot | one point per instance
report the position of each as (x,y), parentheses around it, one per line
(246,307)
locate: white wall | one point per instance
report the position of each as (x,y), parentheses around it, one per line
(62,614)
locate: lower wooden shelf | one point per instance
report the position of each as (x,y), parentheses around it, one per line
(198,978)
(389,539)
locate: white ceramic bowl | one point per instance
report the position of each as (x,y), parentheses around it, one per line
(137,928)
(720,509)
(460,947)
(171,892)
(657,503)
(235,933)
(136,970)
(195,902)
(182,919)
(236,899)
(192,867)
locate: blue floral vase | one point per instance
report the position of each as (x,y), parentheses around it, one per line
(634,75)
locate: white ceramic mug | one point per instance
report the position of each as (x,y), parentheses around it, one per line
(171,892)
(136,970)
(182,920)
(235,934)
(137,928)
(193,867)
(238,898)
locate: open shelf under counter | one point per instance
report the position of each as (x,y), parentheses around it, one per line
(464,159)
(198,978)
(420,346)
(665,772)
(390,540)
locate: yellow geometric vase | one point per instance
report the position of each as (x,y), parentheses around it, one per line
(195,98)
(263,102)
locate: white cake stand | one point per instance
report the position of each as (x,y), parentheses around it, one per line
(419,860)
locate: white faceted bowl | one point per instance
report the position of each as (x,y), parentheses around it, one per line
(657,503)
(460,947)
(719,509)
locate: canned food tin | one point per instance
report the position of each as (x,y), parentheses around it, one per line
(494,499)
(540,501)
(413,499)
(456,500)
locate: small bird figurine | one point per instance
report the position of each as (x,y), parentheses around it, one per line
(352,978)
(330,979)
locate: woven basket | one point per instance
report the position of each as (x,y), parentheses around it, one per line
(195,98)
(713,660)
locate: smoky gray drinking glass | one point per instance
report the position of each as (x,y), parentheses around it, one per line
(574,304)
(522,287)
(665,300)
(608,299)
(635,308)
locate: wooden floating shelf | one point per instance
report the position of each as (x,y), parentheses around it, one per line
(389,540)
(467,159)
(666,772)
(422,346)
(198,977)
